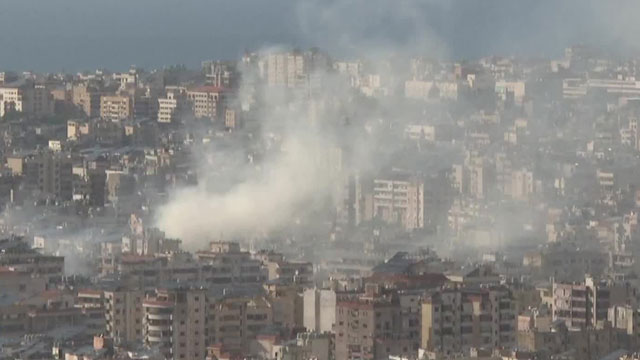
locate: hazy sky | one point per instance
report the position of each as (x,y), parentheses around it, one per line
(51,35)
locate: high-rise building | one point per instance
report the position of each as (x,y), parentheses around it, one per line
(123,312)
(285,69)
(234,321)
(174,321)
(399,199)
(580,304)
(54,173)
(368,326)
(456,320)
(92,305)
(319,310)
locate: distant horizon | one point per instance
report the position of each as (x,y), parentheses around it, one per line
(84,35)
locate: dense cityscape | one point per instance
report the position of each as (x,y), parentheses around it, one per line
(293,205)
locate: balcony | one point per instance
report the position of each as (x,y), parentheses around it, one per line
(158,339)
(159,327)
(151,316)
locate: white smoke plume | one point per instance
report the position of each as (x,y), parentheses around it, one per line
(294,178)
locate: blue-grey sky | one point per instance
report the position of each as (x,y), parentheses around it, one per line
(71,35)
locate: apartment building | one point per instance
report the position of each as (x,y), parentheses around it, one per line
(92,305)
(171,106)
(54,174)
(116,107)
(220,73)
(87,98)
(305,346)
(206,101)
(16,254)
(232,119)
(284,69)
(456,320)
(149,242)
(27,98)
(124,315)
(225,263)
(20,282)
(233,322)
(581,304)
(287,304)
(319,309)
(515,90)
(399,199)
(174,322)
(522,184)
(285,271)
(369,326)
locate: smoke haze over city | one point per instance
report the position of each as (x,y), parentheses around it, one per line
(319,180)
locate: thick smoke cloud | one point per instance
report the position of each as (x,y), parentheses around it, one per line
(293,179)
(300,169)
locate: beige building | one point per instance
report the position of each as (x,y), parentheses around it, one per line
(456,320)
(286,303)
(581,304)
(232,119)
(626,318)
(233,322)
(285,69)
(367,327)
(298,272)
(206,101)
(91,304)
(306,346)
(170,107)
(87,98)
(225,263)
(116,107)
(123,312)
(20,283)
(18,255)
(76,129)
(319,310)
(27,98)
(174,321)
(399,199)
(511,89)
(54,174)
